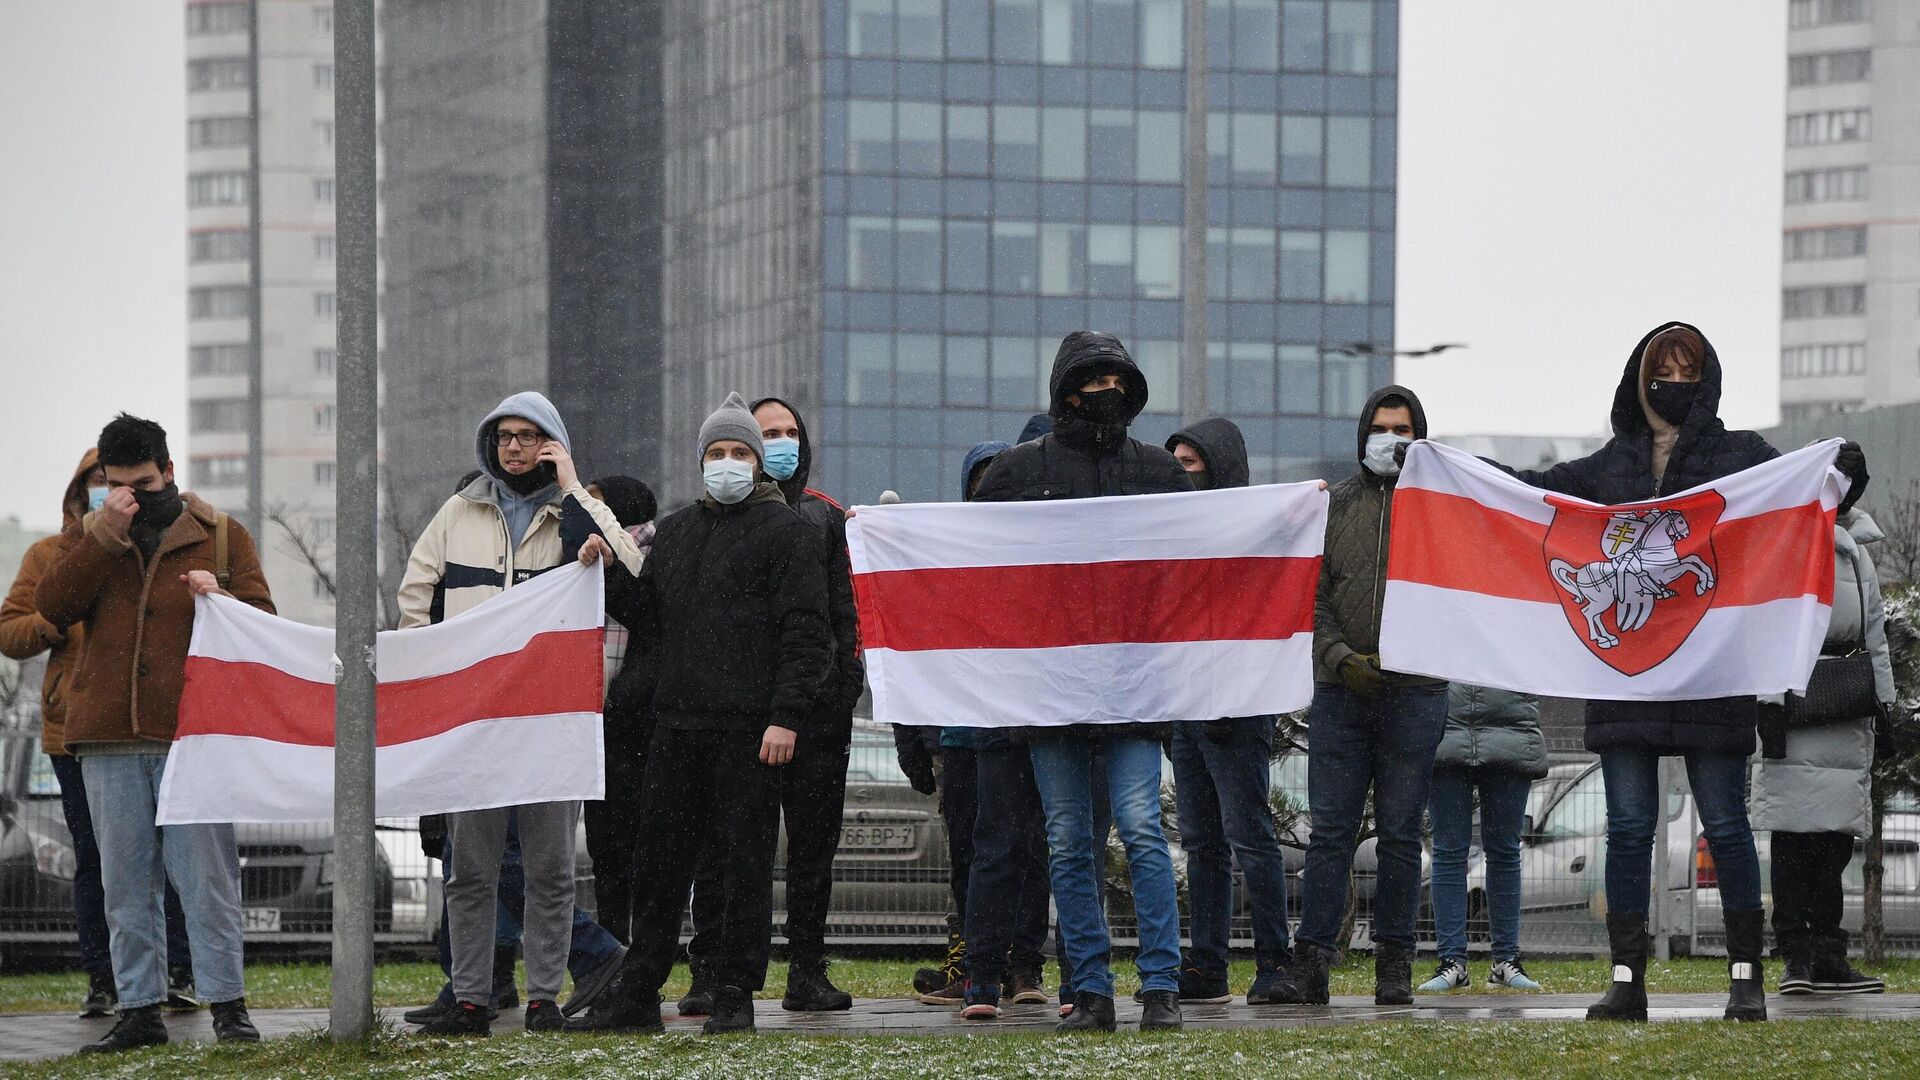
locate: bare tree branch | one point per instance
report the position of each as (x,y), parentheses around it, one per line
(302,543)
(1901,522)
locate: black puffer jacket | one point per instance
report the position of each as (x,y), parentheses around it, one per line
(1622,471)
(847,678)
(731,606)
(1220,444)
(1069,463)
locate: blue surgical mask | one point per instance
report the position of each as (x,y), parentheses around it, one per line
(783,458)
(96,498)
(728,481)
(1379,459)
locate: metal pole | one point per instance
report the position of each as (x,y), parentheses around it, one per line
(1193,247)
(356,610)
(256,319)
(1660,912)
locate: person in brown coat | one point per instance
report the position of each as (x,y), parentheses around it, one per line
(128,573)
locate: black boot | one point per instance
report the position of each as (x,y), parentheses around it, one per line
(1392,975)
(808,989)
(1832,974)
(1091,1012)
(1304,982)
(1160,1011)
(101,998)
(732,1012)
(1626,998)
(699,999)
(1747,993)
(951,970)
(617,1010)
(137,1028)
(231,1022)
(464,1019)
(1796,955)
(506,994)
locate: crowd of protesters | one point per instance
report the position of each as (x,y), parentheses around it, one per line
(733,670)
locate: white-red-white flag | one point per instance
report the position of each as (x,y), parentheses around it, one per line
(1187,606)
(1722,590)
(497,706)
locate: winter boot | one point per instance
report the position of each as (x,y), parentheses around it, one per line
(1747,996)
(1392,975)
(101,998)
(951,970)
(616,1010)
(231,1022)
(1091,1012)
(1796,955)
(1024,988)
(808,989)
(137,1028)
(1832,974)
(1305,980)
(732,1012)
(1626,999)
(1160,1011)
(699,999)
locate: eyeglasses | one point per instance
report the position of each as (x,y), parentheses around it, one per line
(524,438)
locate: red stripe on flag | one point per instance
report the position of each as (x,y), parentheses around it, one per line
(1055,605)
(557,672)
(1452,542)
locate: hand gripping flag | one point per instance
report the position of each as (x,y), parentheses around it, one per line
(1719,591)
(497,706)
(1151,607)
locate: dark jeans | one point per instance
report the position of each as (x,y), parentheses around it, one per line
(959,804)
(1384,744)
(89,901)
(1503,810)
(1220,780)
(612,824)
(1719,783)
(1807,900)
(701,784)
(1007,889)
(813,795)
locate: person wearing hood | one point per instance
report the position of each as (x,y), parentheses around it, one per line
(500,531)
(1095,393)
(129,573)
(1371,729)
(732,606)
(1220,784)
(1667,438)
(1814,786)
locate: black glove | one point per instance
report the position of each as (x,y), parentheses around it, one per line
(1361,673)
(1852,462)
(917,762)
(1400,453)
(433,835)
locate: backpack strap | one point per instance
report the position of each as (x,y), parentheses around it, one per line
(221,571)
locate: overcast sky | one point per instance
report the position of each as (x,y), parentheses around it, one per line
(1570,175)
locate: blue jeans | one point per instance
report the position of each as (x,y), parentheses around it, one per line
(1220,784)
(1503,809)
(1384,744)
(137,859)
(1063,770)
(1719,783)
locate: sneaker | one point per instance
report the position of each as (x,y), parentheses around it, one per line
(137,1028)
(1305,981)
(809,989)
(180,995)
(732,1012)
(1833,974)
(952,969)
(543,1015)
(1024,988)
(231,1022)
(1450,975)
(1266,987)
(463,1020)
(589,986)
(699,999)
(954,993)
(617,1011)
(1796,975)
(983,1003)
(101,998)
(1510,974)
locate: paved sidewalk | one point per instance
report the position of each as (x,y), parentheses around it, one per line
(47,1035)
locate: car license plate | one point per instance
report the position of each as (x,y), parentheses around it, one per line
(262,920)
(876,837)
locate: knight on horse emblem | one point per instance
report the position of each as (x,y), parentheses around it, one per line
(1639,562)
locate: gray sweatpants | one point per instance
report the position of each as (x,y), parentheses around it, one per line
(479,837)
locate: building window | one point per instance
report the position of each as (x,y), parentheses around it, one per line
(323,191)
(218,302)
(323,474)
(323,134)
(1349,151)
(1301,156)
(1826,185)
(870,27)
(1346,267)
(1156,261)
(1819,69)
(228,470)
(1815,361)
(1350,37)
(1163,42)
(323,305)
(218,414)
(323,18)
(217,18)
(219,73)
(213,131)
(1016,142)
(323,247)
(325,362)
(323,419)
(1158,146)
(218,359)
(1829,126)
(1303,35)
(1823,301)
(1838,242)
(1804,13)
(217,189)
(218,245)
(323,77)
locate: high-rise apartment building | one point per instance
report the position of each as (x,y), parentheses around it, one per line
(259,442)
(1850,280)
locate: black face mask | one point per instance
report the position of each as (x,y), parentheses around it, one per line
(1202,479)
(1672,401)
(1103,407)
(158,509)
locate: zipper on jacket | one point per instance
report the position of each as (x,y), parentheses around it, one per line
(1379,539)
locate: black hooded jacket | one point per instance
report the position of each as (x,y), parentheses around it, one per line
(1062,466)
(1622,471)
(1220,444)
(847,680)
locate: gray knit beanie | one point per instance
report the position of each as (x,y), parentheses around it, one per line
(732,420)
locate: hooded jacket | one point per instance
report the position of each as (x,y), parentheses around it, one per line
(464,555)
(1220,444)
(1060,465)
(1622,471)
(25,633)
(1353,570)
(847,679)
(132,664)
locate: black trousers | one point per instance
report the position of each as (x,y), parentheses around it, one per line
(813,795)
(701,785)
(1009,887)
(612,824)
(1807,901)
(959,804)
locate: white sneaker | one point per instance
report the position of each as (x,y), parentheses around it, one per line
(1510,974)
(1450,975)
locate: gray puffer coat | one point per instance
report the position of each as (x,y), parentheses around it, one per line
(1492,729)
(1824,784)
